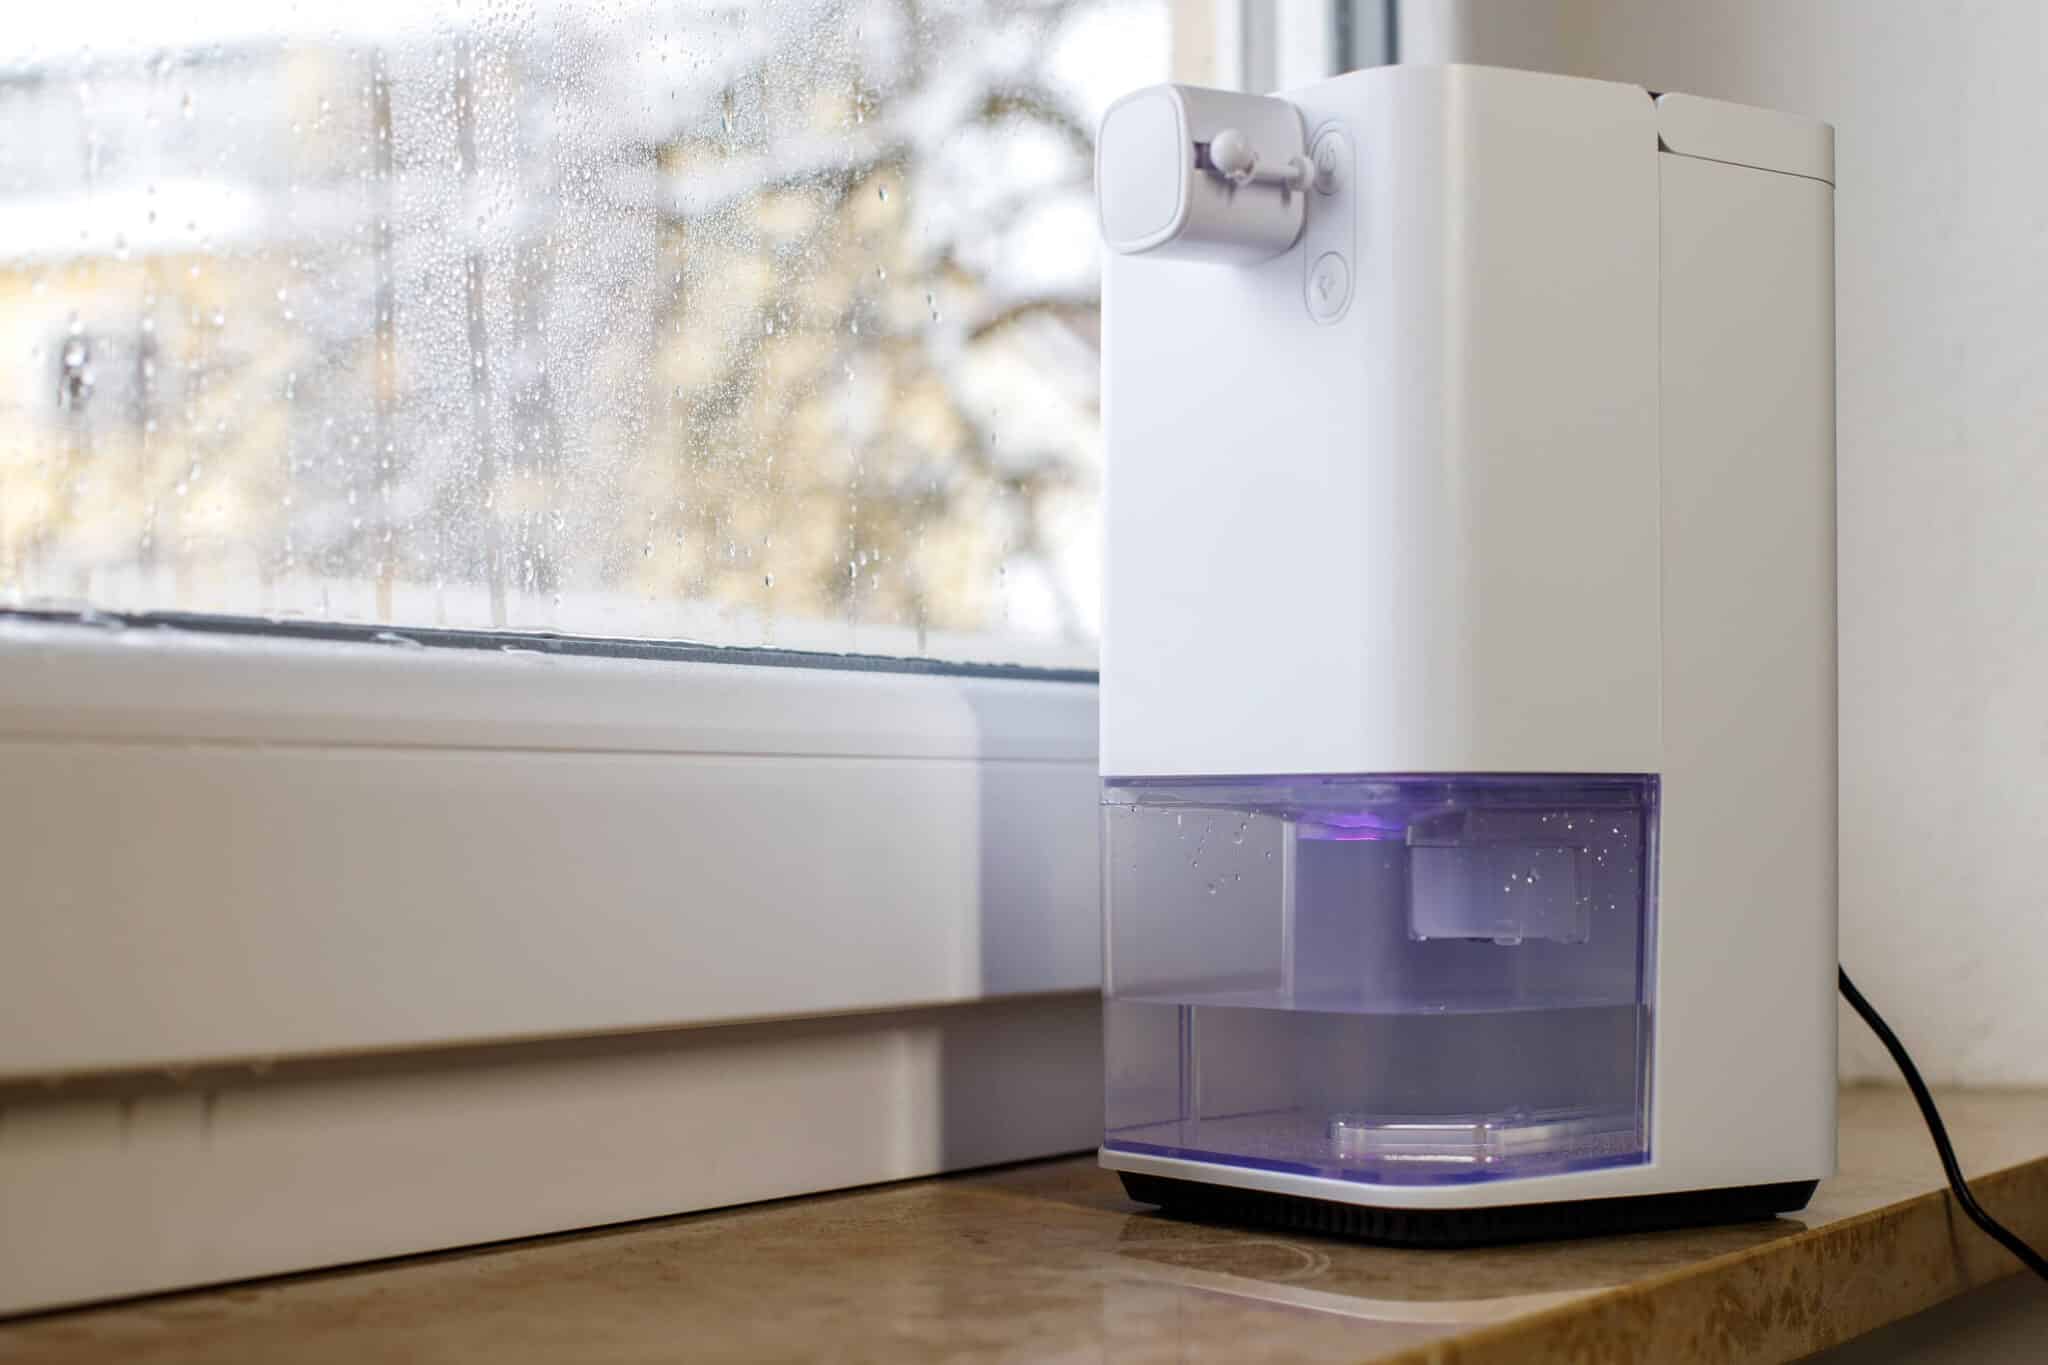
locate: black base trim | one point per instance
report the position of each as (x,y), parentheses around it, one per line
(1199,1200)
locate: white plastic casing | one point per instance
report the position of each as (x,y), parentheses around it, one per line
(1554,495)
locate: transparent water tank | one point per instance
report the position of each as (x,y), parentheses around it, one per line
(1396,980)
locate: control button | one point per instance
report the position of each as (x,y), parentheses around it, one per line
(1332,154)
(1329,287)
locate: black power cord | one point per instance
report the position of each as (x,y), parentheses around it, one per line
(2030,1258)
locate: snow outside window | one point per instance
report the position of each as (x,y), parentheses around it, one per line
(745,323)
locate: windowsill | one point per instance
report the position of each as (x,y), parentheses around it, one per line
(1049,1260)
(244,830)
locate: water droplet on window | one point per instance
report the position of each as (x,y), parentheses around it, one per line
(486,335)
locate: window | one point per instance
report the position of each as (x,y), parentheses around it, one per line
(753,324)
(746,322)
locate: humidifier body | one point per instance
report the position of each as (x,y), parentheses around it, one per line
(1468,672)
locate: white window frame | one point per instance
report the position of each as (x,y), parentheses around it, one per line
(513,844)
(233,858)
(1266,45)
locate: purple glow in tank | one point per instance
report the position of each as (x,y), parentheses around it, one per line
(1392,979)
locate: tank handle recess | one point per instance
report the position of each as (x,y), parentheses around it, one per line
(1183,172)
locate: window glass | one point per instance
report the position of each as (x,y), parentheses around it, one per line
(749,323)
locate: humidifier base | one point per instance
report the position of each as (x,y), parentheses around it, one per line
(1466,1227)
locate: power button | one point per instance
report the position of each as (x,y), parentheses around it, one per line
(1329,286)
(1332,159)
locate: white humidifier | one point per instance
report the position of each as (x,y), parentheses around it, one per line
(1468,674)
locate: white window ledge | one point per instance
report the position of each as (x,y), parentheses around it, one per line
(233,848)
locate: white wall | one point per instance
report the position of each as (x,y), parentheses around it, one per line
(1941,115)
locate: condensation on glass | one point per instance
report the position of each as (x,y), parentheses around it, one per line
(723,321)
(1400,980)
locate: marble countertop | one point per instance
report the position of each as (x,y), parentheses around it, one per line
(1049,1262)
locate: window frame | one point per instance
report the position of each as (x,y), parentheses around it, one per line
(1258,45)
(485,788)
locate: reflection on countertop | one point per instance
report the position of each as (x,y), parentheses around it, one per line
(1049,1261)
